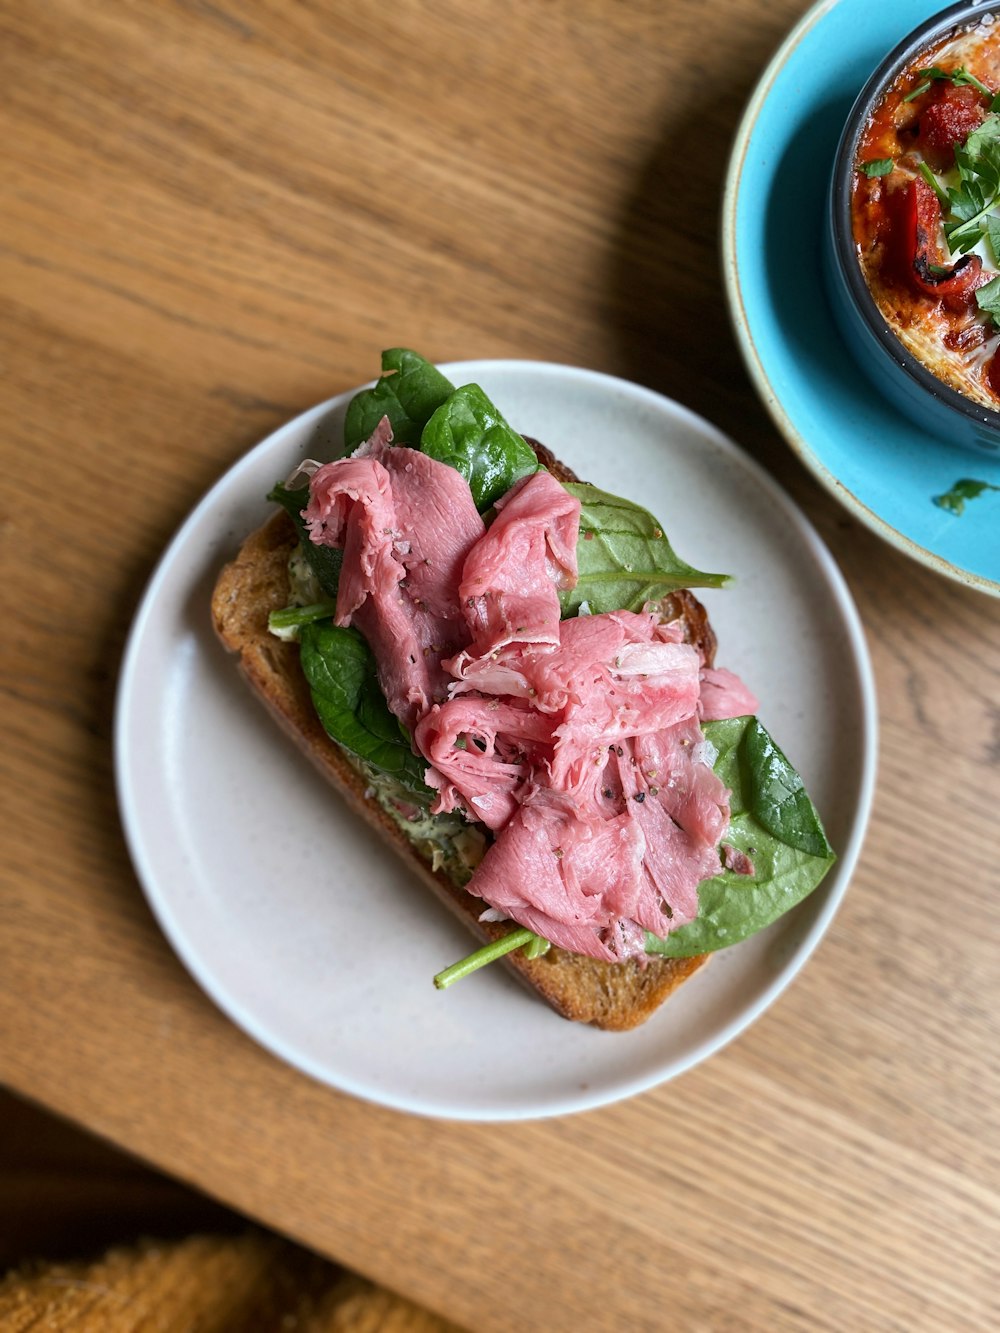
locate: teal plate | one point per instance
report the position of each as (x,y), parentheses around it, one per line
(875,462)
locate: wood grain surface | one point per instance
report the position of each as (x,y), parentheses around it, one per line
(215,215)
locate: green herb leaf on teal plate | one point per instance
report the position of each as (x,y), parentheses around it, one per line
(962,491)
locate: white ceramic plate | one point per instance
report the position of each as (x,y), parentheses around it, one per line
(305,929)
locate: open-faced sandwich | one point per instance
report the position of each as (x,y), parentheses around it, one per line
(504,670)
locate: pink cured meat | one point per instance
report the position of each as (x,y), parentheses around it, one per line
(510,582)
(592,871)
(670,789)
(434,506)
(563,875)
(649,683)
(724,695)
(610,676)
(673,766)
(626,761)
(482,752)
(405,524)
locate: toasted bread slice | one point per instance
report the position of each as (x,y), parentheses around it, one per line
(614,996)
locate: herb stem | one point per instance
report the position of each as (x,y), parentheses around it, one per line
(970,227)
(489,953)
(935,185)
(915,92)
(959,77)
(977,83)
(294,617)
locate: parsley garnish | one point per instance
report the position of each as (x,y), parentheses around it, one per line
(978,189)
(879,166)
(966,489)
(935,185)
(959,77)
(988,298)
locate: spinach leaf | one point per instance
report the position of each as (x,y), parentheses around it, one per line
(469,434)
(776,797)
(340,669)
(623,557)
(764,786)
(324,561)
(408,393)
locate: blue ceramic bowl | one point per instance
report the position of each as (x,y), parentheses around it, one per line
(903,380)
(887,472)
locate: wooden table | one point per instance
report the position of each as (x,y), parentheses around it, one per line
(216,215)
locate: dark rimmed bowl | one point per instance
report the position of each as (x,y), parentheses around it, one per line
(908,384)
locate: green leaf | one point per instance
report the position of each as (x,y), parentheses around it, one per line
(966,489)
(469,434)
(978,192)
(408,393)
(878,166)
(624,559)
(991,226)
(982,141)
(960,77)
(324,561)
(519,938)
(776,797)
(988,296)
(732,907)
(340,669)
(942,194)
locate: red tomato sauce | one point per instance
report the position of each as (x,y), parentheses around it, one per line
(926,293)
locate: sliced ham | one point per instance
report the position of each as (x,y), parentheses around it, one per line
(677,771)
(510,582)
(405,524)
(670,789)
(645,687)
(724,695)
(481,754)
(566,877)
(434,507)
(735,860)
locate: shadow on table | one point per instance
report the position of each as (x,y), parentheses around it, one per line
(666,295)
(66,1197)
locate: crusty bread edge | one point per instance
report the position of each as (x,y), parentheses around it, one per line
(612,996)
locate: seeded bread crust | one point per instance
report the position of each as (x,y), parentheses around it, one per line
(613,996)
